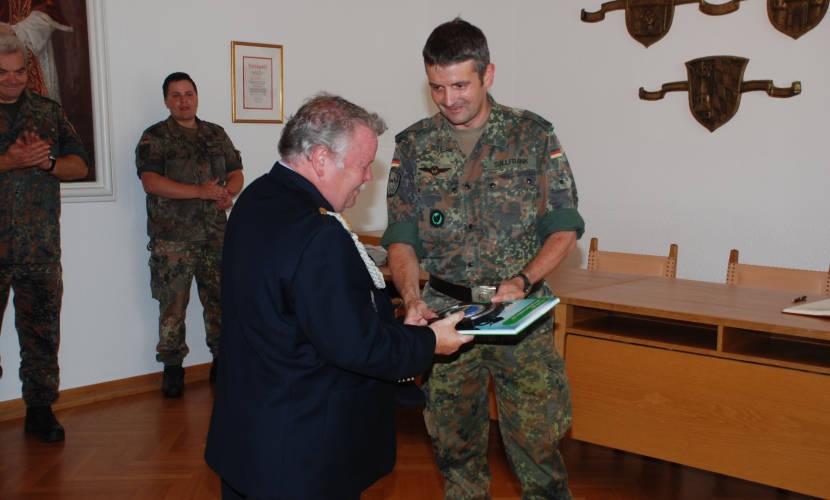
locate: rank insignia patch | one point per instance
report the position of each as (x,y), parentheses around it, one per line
(434,170)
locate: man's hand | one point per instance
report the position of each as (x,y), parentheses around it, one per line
(233,186)
(213,191)
(512,289)
(224,203)
(447,338)
(28,150)
(418,313)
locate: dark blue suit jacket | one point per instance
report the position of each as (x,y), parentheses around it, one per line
(309,354)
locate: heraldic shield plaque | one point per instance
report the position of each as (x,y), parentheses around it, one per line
(796,17)
(649,20)
(715,88)
(715,85)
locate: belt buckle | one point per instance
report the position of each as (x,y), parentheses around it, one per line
(482,294)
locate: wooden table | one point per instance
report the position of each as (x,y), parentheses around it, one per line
(703,374)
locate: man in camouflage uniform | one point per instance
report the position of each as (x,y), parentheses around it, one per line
(483,195)
(190,171)
(38,148)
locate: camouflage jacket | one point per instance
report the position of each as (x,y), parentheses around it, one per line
(479,220)
(166,149)
(31,199)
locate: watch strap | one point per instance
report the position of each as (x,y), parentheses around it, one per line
(527,282)
(52,166)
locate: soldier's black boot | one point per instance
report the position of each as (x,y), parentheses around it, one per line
(172,385)
(41,422)
(213,368)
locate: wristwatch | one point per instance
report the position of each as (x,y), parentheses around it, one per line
(52,166)
(528,284)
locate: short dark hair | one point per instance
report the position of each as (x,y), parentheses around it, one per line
(457,41)
(177,77)
(325,120)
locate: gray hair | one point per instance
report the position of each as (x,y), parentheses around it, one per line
(325,120)
(9,44)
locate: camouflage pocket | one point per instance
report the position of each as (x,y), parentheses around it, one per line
(157,263)
(515,193)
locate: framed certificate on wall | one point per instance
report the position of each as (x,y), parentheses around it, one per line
(257,82)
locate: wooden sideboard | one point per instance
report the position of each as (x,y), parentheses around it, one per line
(370,237)
(703,374)
(373,238)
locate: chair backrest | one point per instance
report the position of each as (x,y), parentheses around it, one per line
(779,278)
(632,263)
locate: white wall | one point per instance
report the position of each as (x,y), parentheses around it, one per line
(648,173)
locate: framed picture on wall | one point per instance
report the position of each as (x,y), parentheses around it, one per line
(256,82)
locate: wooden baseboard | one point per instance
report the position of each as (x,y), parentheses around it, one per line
(15,408)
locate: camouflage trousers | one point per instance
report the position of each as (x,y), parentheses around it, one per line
(173,265)
(38,292)
(534,405)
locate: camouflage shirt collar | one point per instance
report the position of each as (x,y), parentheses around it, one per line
(494,131)
(177,130)
(25,102)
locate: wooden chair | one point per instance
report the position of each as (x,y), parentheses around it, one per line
(779,278)
(632,263)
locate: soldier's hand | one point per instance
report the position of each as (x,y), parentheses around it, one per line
(418,313)
(224,204)
(512,289)
(212,191)
(37,146)
(447,338)
(24,154)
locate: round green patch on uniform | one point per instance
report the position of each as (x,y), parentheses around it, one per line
(436,218)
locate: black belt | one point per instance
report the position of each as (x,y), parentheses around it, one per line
(458,292)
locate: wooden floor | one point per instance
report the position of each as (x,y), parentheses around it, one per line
(149,447)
